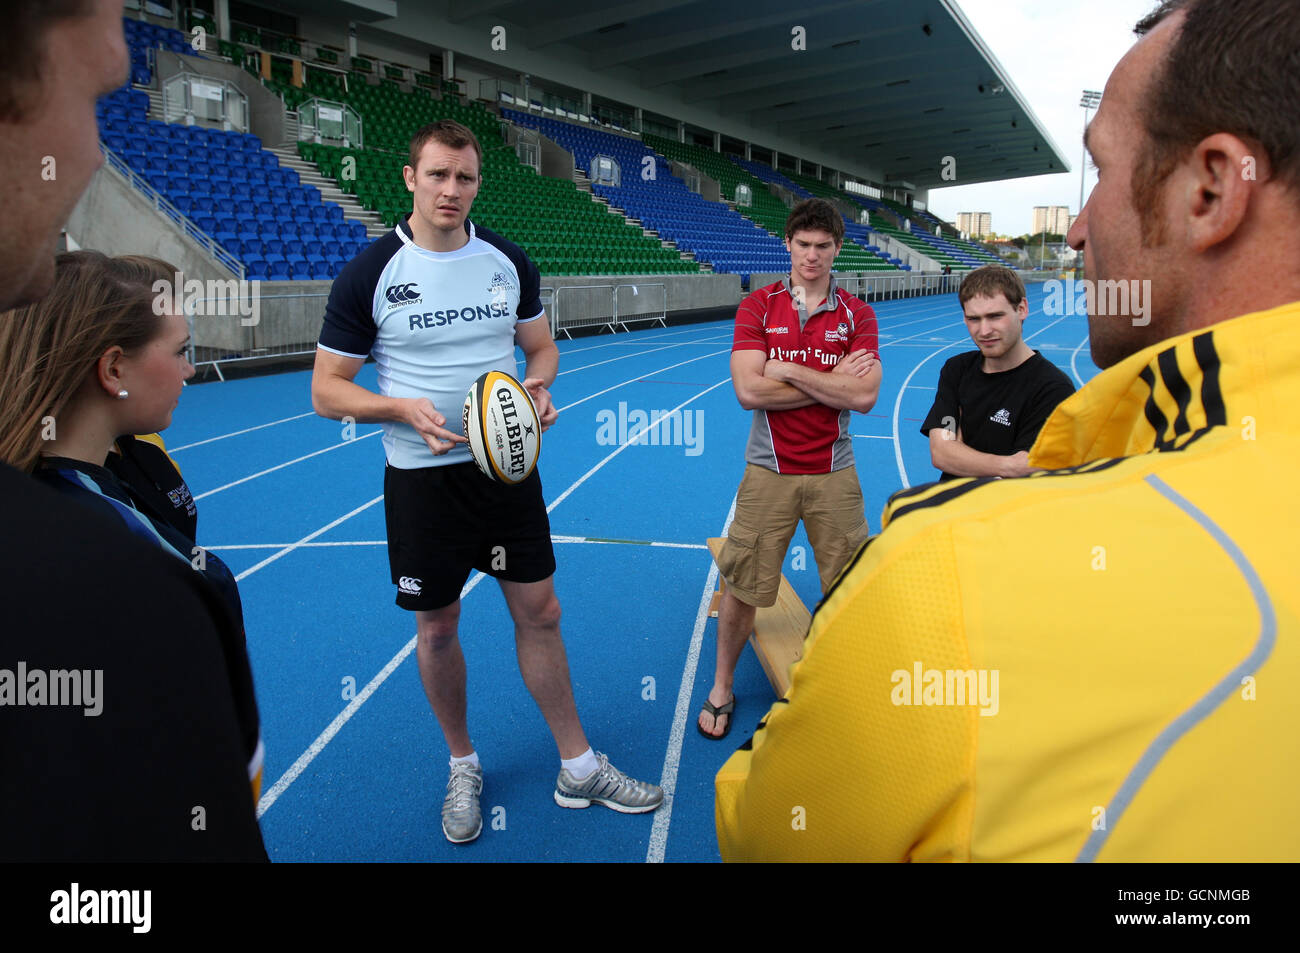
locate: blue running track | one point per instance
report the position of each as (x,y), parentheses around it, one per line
(355,764)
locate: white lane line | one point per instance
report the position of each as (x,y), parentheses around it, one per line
(287,463)
(286,550)
(312,413)
(639,377)
(281,466)
(631,439)
(624,357)
(860,436)
(898,403)
(342,718)
(318,544)
(673,756)
(640,342)
(317,746)
(1074,370)
(236,433)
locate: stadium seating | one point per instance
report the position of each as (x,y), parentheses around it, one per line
(526,208)
(650,193)
(234,190)
(142,38)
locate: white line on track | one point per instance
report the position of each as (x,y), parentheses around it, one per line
(677,736)
(287,463)
(342,718)
(631,439)
(236,433)
(624,357)
(593,540)
(286,550)
(640,341)
(898,403)
(1074,370)
(308,456)
(317,746)
(639,377)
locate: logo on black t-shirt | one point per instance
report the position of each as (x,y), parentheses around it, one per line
(1003,417)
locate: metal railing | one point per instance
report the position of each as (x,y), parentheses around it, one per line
(324,119)
(188,96)
(609,306)
(220,254)
(252,326)
(891,287)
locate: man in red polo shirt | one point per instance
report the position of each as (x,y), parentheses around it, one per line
(803,357)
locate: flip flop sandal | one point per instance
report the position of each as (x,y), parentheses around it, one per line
(726,709)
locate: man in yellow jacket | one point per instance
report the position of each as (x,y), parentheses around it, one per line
(1098,662)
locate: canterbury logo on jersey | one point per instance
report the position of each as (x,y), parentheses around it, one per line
(410,585)
(402,294)
(436,319)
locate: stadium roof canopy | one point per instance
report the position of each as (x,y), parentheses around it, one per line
(884,89)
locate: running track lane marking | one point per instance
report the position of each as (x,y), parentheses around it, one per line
(287,463)
(673,756)
(342,718)
(1074,370)
(236,433)
(280,466)
(596,540)
(285,551)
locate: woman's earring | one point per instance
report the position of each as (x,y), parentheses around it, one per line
(122,394)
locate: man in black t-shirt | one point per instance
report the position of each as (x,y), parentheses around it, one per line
(991,403)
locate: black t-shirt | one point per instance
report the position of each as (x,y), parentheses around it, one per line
(161,772)
(997,413)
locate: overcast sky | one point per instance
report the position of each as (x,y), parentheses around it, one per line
(1052,52)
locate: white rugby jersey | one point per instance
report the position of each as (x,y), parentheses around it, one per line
(434,322)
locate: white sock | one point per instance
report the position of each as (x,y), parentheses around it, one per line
(582,766)
(471,758)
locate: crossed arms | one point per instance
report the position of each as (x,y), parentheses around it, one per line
(762,384)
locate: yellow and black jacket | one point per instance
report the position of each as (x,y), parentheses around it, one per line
(1097,663)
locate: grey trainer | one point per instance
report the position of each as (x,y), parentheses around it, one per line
(610,787)
(461,820)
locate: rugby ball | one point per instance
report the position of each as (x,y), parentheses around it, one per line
(502,427)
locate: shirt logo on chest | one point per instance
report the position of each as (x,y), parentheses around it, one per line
(500,283)
(841,333)
(1003,417)
(398,295)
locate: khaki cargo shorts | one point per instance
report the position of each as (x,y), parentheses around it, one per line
(769,507)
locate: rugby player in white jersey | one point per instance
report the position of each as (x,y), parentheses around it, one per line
(437,302)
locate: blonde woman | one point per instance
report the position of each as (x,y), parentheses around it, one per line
(85,370)
(89,366)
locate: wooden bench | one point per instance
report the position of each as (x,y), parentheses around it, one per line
(779,630)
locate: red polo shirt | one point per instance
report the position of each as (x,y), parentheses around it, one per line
(812,439)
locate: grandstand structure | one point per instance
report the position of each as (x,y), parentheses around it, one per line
(623,148)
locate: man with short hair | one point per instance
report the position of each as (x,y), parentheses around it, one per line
(991,403)
(1134,602)
(444,517)
(129,730)
(804,356)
